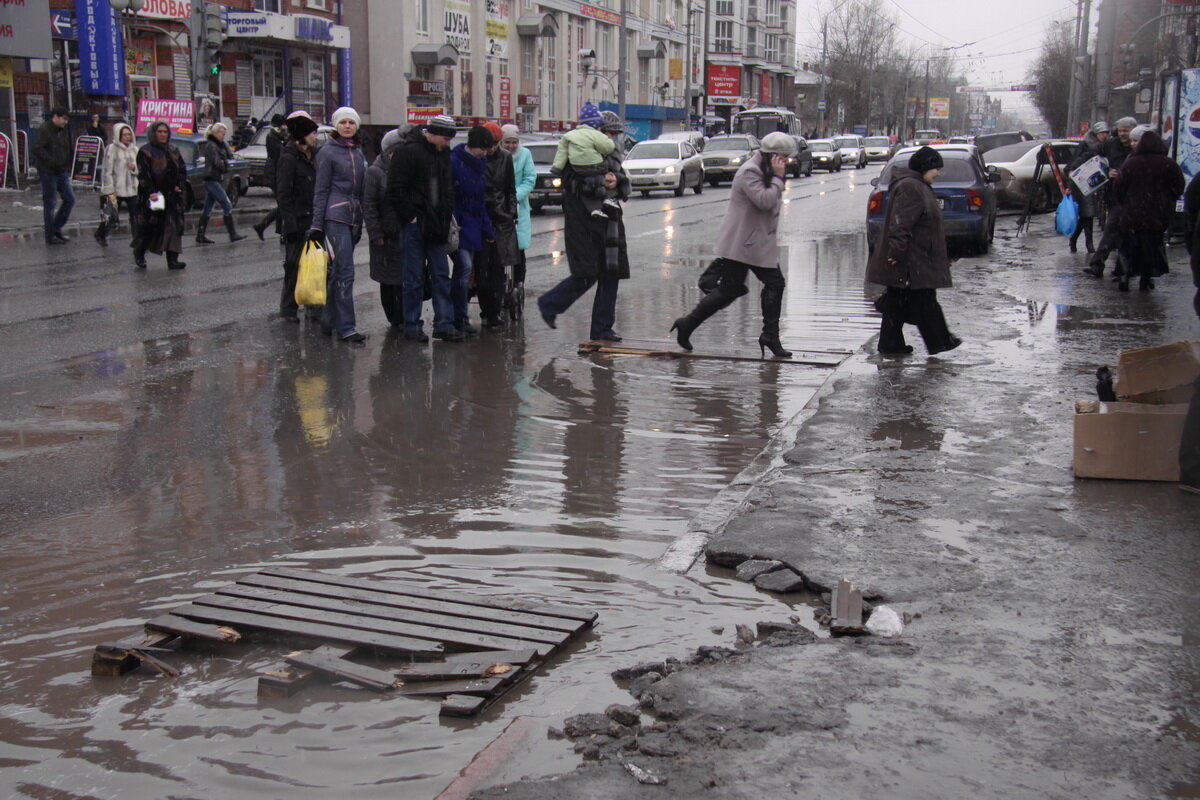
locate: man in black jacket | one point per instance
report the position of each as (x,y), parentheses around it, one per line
(1115,151)
(501,253)
(274,148)
(52,157)
(420,186)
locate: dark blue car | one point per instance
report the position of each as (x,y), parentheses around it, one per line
(964,188)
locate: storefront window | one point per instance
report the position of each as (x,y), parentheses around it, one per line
(266,73)
(267,5)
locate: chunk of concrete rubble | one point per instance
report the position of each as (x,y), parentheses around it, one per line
(582,725)
(781,581)
(789,638)
(639,685)
(623,715)
(749,570)
(644,775)
(745,635)
(637,671)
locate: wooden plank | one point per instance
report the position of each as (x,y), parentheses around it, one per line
(336,666)
(846,609)
(169,623)
(481,686)
(413,601)
(367,609)
(409,589)
(495,656)
(458,640)
(284,680)
(417,648)
(463,705)
(441,671)
(113,659)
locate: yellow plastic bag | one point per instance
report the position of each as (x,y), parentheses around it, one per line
(310,281)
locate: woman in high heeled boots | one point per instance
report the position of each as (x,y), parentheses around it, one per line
(747,242)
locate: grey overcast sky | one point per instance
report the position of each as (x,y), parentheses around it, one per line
(1002,37)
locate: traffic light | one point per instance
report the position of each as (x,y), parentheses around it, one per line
(214,34)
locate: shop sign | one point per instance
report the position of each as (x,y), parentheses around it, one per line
(457,25)
(89,150)
(675,69)
(101,48)
(724,80)
(345,75)
(505,97)
(422,115)
(426,88)
(764,88)
(528,100)
(495,28)
(602,14)
(6,73)
(23,31)
(166,9)
(939,108)
(178,114)
(139,57)
(314,29)
(260,25)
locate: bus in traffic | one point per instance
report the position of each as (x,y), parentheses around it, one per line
(761,121)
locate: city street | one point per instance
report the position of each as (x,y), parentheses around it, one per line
(163,433)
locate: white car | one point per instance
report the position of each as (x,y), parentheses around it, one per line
(1016,164)
(879,148)
(853,150)
(664,164)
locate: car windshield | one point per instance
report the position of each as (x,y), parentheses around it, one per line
(846,141)
(1010,152)
(929,134)
(759,124)
(542,153)
(736,143)
(820,147)
(654,150)
(878,141)
(956,169)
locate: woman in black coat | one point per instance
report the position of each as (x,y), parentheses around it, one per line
(384,230)
(161,178)
(1146,189)
(295,182)
(910,259)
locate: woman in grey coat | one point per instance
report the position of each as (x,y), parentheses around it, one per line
(910,259)
(747,242)
(383,230)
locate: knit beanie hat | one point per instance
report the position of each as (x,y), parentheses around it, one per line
(345,112)
(509,132)
(1138,131)
(480,136)
(299,124)
(1100,127)
(390,140)
(494,130)
(277,120)
(590,115)
(925,159)
(441,125)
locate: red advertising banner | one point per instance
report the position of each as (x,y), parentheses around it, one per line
(178,114)
(4,149)
(724,80)
(422,115)
(764,89)
(602,14)
(505,97)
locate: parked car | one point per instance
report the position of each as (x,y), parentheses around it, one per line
(1016,164)
(694,138)
(990,141)
(853,150)
(802,162)
(879,148)
(255,153)
(548,189)
(723,155)
(825,154)
(664,164)
(964,187)
(237,179)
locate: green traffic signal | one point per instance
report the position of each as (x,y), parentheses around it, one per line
(215,70)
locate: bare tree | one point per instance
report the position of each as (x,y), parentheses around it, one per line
(1051,74)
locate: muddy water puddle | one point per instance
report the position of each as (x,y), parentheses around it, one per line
(508,466)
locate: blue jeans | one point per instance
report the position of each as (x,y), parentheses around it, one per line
(214,194)
(417,253)
(54,186)
(604,306)
(463,260)
(338,315)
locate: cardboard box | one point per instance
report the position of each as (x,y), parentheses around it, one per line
(1164,374)
(1129,441)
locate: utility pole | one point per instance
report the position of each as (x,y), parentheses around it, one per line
(821,99)
(1079,67)
(704,44)
(1106,35)
(623,61)
(687,66)
(927,92)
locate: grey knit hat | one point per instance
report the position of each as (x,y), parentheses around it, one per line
(1100,127)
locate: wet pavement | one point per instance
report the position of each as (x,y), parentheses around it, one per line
(162,435)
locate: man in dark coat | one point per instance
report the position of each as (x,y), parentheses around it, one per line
(595,244)
(275,139)
(52,156)
(1146,189)
(1115,151)
(384,230)
(910,259)
(420,187)
(1093,145)
(295,184)
(96,128)
(502,252)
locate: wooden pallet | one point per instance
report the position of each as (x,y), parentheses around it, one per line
(468,649)
(820,354)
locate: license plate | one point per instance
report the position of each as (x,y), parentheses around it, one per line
(944,201)
(1179,206)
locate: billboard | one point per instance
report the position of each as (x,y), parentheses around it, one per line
(178,114)
(23,29)
(939,108)
(1187,137)
(724,82)
(101,48)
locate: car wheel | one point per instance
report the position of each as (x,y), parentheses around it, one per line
(645,192)
(808,172)
(1041,199)
(699,187)
(714,181)
(535,208)
(679,188)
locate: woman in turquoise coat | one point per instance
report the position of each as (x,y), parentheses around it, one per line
(526,174)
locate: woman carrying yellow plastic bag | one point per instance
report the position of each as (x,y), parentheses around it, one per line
(310,281)
(295,178)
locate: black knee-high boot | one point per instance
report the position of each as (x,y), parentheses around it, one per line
(772,306)
(709,304)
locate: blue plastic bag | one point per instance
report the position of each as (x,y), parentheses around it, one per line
(1066,219)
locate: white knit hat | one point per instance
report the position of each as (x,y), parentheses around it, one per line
(509,132)
(345,112)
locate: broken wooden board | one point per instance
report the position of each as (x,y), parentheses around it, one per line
(846,610)
(332,662)
(118,658)
(824,355)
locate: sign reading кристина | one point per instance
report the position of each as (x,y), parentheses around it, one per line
(178,114)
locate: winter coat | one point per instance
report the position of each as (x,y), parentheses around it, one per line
(1146,188)
(1115,151)
(99,133)
(341,181)
(586,237)
(216,158)
(295,184)
(387,259)
(502,204)
(1091,148)
(52,152)
(156,229)
(911,250)
(274,149)
(525,174)
(748,231)
(117,177)
(583,147)
(421,186)
(470,199)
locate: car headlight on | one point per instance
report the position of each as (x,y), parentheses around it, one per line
(735,161)
(556,183)
(668,170)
